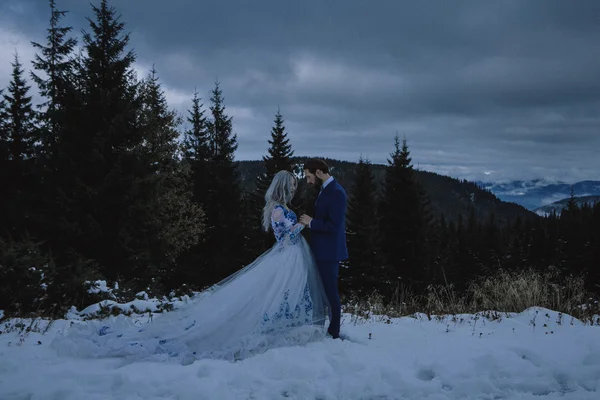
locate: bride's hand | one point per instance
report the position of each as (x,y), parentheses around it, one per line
(305,220)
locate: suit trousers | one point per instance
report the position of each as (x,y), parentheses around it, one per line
(329,275)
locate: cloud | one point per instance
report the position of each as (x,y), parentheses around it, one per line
(481,90)
(11,43)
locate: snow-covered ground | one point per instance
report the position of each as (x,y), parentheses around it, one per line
(537,354)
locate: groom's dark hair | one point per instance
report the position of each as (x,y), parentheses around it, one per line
(313,164)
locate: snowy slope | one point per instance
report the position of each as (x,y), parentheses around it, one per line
(538,354)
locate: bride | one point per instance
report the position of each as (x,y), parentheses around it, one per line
(277,300)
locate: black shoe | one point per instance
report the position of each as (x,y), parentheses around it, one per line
(334,336)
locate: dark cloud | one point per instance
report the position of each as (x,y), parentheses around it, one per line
(502,90)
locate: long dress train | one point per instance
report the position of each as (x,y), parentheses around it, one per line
(277,300)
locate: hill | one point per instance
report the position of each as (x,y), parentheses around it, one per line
(449,197)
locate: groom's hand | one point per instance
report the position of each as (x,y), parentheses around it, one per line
(305,219)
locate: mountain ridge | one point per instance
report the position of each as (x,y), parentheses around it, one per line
(450,197)
(537,193)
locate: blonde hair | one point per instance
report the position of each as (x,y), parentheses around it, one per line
(281,191)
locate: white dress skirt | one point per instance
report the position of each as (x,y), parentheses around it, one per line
(277,300)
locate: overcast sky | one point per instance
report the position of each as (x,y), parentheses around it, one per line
(482,90)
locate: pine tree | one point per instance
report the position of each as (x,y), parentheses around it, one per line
(4,162)
(18,124)
(402,223)
(571,208)
(22,262)
(279,158)
(572,234)
(57,65)
(222,140)
(197,149)
(362,275)
(225,225)
(99,149)
(165,210)
(4,158)
(24,268)
(280,150)
(61,101)
(593,282)
(20,116)
(518,245)
(197,157)
(58,220)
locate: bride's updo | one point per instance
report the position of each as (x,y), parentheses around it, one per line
(282,190)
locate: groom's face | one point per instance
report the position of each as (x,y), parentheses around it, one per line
(312,178)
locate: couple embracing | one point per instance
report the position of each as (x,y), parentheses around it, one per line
(284,297)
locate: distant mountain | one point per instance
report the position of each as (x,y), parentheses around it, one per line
(560,205)
(539,192)
(449,197)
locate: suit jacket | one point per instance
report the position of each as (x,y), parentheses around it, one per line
(328,227)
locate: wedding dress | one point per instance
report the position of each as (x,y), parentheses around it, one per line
(277,300)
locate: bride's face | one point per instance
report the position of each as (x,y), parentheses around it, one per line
(294,186)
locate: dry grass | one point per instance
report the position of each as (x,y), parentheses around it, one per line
(505,292)
(515,292)
(23,327)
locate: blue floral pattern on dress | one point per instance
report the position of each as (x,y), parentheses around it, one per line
(285,225)
(285,317)
(287,231)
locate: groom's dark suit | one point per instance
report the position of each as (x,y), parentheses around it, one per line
(328,242)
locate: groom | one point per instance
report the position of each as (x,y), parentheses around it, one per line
(328,233)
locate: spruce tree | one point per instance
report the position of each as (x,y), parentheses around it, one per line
(4,163)
(5,196)
(519,241)
(60,219)
(18,124)
(164,209)
(19,118)
(279,158)
(222,139)
(54,75)
(100,148)
(197,149)
(280,150)
(402,223)
(363,273)
(197,157)
(22,261)
(573,239)
(225,224)
(54,60)
(593,283)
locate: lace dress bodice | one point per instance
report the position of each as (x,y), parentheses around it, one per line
(286,227)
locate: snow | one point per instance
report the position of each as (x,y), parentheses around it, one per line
(143,305)
(537,354)
(98,287)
